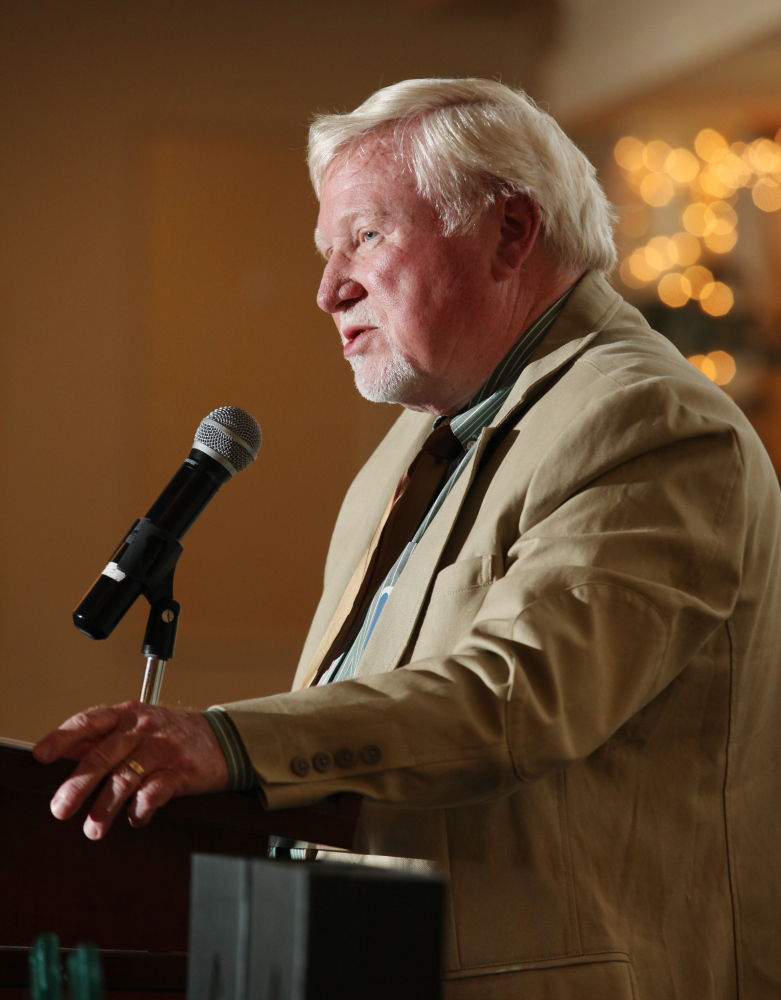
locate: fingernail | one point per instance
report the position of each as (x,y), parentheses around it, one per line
(92,830)
(42,752)
(59,805)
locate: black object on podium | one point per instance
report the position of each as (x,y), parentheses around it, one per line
(275,930)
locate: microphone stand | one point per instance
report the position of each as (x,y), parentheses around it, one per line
(150,558)
(159,638)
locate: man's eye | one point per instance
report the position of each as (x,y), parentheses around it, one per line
(369,234)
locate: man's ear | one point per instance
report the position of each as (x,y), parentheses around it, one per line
(520,225)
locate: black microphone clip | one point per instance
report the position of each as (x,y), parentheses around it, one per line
(150,556)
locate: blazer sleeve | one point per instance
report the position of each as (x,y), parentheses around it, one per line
(610,587)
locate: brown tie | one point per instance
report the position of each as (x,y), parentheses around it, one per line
(411,499)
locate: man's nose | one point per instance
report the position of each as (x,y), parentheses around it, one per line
(337,288)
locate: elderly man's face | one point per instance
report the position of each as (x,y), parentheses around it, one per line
(412,306)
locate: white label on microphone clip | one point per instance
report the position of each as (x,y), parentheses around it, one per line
(114,572)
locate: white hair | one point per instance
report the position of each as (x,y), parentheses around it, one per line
(468,141)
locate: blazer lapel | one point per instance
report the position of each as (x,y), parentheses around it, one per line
(361,511)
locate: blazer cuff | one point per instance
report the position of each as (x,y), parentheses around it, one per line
(241,774)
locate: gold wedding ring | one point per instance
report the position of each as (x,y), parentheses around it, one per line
(135,766)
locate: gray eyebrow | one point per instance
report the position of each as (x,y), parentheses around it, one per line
(320,242)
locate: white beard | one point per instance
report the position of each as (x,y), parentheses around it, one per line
(391,384)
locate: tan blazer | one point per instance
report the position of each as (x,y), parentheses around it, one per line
(584,736)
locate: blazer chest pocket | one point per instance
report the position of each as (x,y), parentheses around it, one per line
(456,596)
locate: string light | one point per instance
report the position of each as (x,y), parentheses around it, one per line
(713,175)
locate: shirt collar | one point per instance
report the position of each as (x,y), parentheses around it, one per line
(487,402)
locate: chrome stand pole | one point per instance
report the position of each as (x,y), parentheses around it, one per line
(153,680)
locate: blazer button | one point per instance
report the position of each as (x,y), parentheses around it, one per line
(345,757)
(322,761)
(299,766)
(371,754)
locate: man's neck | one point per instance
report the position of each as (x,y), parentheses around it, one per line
(532,300)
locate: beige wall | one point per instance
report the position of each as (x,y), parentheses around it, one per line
(156,261)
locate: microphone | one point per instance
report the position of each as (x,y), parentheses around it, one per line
(227,441)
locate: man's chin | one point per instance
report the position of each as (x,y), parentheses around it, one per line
(394,383)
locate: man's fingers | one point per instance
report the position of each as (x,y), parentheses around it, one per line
(85,727)
(80,751)
(104,758)
(123,782)
(154,793)
(146,795)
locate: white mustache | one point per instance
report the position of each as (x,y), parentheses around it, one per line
(357,319)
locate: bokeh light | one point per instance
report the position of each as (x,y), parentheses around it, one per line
(705,183)
(656,189)
(716,298)
(705,365)
(699,278)
(641,267)
(655,155)
(725,367)
(682,165)
(662,252)
(720,242)
(719,366)
(674,290)
(766,194)
(725,217)
(710,145)
(628,153)
(764,156)
(629,277)
(696,217)
(688,249)
(733,171)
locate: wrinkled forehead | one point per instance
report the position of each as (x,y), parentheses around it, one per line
(370,156)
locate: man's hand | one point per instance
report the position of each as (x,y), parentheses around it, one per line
(146,755)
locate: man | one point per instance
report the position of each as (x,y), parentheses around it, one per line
(558,683)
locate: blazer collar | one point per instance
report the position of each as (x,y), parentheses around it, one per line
(592,304)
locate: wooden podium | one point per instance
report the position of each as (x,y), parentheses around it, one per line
(128,894)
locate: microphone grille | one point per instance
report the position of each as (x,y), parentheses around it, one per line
(230,433)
